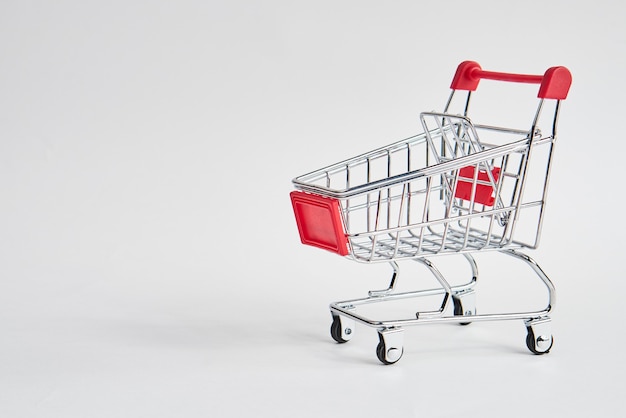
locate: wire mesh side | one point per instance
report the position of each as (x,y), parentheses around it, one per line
(427,214)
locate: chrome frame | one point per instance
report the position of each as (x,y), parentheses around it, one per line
(389,200)
(346,307)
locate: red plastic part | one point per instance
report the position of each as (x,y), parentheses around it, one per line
(319,222)
(484,192)
(554,84)
(464,78)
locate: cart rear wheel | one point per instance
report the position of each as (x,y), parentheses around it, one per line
(336,330)
(538,345)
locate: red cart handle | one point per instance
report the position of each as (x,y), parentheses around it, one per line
(554,83)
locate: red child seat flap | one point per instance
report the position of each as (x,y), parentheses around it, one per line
(484,192)
(319,222)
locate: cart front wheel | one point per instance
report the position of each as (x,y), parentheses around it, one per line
(388,356)
(390,346)
(538,345)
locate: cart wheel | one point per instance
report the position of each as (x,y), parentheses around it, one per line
(390,357)
(538,345)
(390,346)
(461,310)
(338,332)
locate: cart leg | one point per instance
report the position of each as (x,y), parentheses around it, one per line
(447,290)
(390,348)
(474,267)
(342,328)
(464,304)
(539,338)
(540,273)
(392,283)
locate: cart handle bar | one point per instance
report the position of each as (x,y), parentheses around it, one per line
(554,83)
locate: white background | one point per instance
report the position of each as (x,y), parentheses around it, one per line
(149,261)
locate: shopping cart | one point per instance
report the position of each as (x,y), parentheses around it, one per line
(457,188)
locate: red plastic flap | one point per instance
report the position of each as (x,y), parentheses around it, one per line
(484,192)
(319,222)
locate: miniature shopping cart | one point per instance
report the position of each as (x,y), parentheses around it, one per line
(457,188)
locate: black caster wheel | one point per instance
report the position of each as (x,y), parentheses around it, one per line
(388,356)
(337,331)
(538,345)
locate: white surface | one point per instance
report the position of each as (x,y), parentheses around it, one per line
(149,261)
